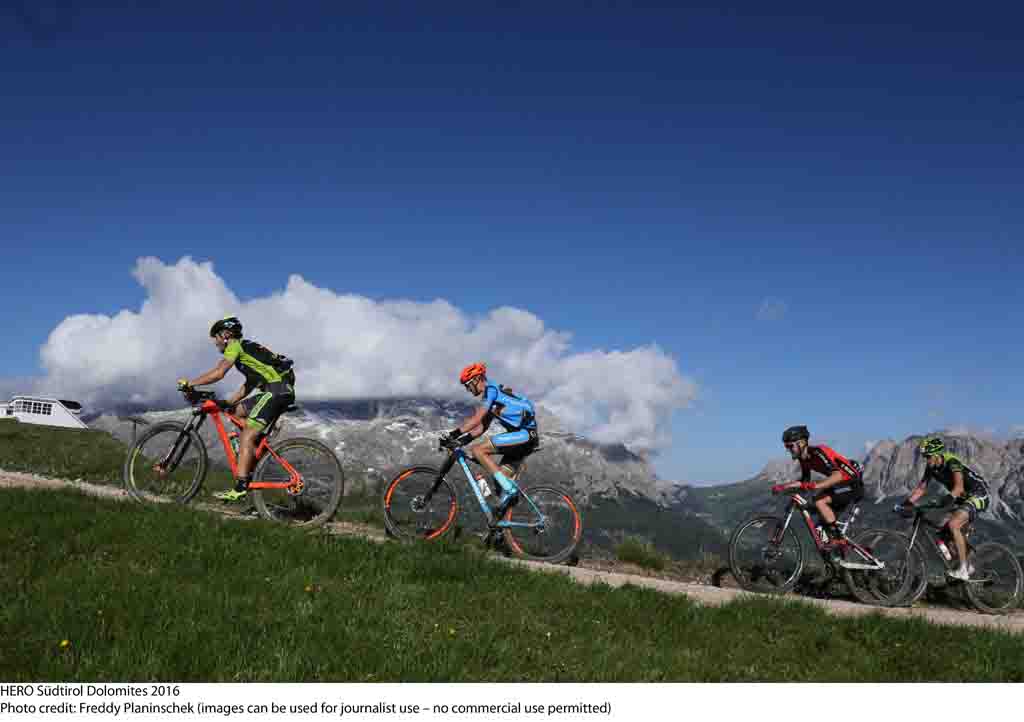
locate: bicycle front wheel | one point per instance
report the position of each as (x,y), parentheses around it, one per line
(165,464)
(764,557)
(901,567)
(318,497)
(995,586)
(409,515)
(551,525)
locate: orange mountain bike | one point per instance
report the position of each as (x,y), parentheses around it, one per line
(299,481)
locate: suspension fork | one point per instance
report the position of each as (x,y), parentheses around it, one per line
(181,445)
(780,533)
(445,468)
(916,530)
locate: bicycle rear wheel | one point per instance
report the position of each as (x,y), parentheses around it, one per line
(406,513)
(323,483)
(153,474)
(762,558)
(554,535)
(995,586)
(902,566)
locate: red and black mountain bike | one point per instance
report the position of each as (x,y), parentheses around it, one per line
(296,480)
(766,555)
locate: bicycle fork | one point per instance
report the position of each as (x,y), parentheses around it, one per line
(169,463)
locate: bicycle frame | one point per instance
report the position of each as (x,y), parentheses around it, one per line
(209,408)
(459,456)
(797,502)
(928,531)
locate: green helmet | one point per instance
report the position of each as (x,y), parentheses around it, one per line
(931,445)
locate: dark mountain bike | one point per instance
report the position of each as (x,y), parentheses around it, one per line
(299,481)
(995,587)
(766,555)
(421,504)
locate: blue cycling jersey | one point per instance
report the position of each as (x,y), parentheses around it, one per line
(512,412)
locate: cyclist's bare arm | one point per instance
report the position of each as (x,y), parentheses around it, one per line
(958,485)
(836,477)
(918,492)
(213,375)
(477,423)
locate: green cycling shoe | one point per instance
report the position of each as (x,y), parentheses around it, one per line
(231,495)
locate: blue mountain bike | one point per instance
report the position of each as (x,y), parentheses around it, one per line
(421,504)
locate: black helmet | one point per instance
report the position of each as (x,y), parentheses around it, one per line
(795,433)
(228,323)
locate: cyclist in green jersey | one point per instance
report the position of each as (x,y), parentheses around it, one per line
(263,369)
(967,489)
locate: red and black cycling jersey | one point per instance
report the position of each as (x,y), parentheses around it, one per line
(825,461)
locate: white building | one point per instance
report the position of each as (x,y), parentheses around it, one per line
(44,411)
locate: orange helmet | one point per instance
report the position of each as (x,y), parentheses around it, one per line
(472,371)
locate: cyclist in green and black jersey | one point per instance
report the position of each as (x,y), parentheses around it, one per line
(263,369)
(966,488)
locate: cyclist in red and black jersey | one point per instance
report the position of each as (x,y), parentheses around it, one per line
(843,483)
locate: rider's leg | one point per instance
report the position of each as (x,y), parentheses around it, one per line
(828,518)
(266,408)
(247,450)
(834,501)
(484,452)
(956,523)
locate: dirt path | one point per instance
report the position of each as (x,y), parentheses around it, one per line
(701,593)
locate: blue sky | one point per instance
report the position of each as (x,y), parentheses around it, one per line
(818,217)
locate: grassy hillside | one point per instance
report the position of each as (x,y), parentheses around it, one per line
(96,590)
(63,453)
(98,457)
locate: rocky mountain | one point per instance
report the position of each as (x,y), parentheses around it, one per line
(618,491)
(375,439)
(891,470)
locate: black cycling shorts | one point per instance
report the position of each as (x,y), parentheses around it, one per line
(849,492)
(264,408)
(973,505)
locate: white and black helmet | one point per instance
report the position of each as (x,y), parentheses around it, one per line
(228,323)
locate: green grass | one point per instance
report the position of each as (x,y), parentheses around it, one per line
(172,594)
(63,453)
(640,553)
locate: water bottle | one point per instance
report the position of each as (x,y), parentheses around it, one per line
(946,554)
(822,534)
(233,440)
(485,488)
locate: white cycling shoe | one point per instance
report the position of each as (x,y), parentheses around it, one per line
(961,573)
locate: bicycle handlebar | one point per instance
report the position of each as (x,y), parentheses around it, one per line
(194,396)
(920,508)
(803,486)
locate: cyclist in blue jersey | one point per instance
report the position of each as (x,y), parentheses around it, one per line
(515,413)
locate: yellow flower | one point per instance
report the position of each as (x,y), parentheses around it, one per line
(65,643)
(451,631)
(309,588)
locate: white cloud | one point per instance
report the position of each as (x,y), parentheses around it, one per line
(772,309)
(348,347)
